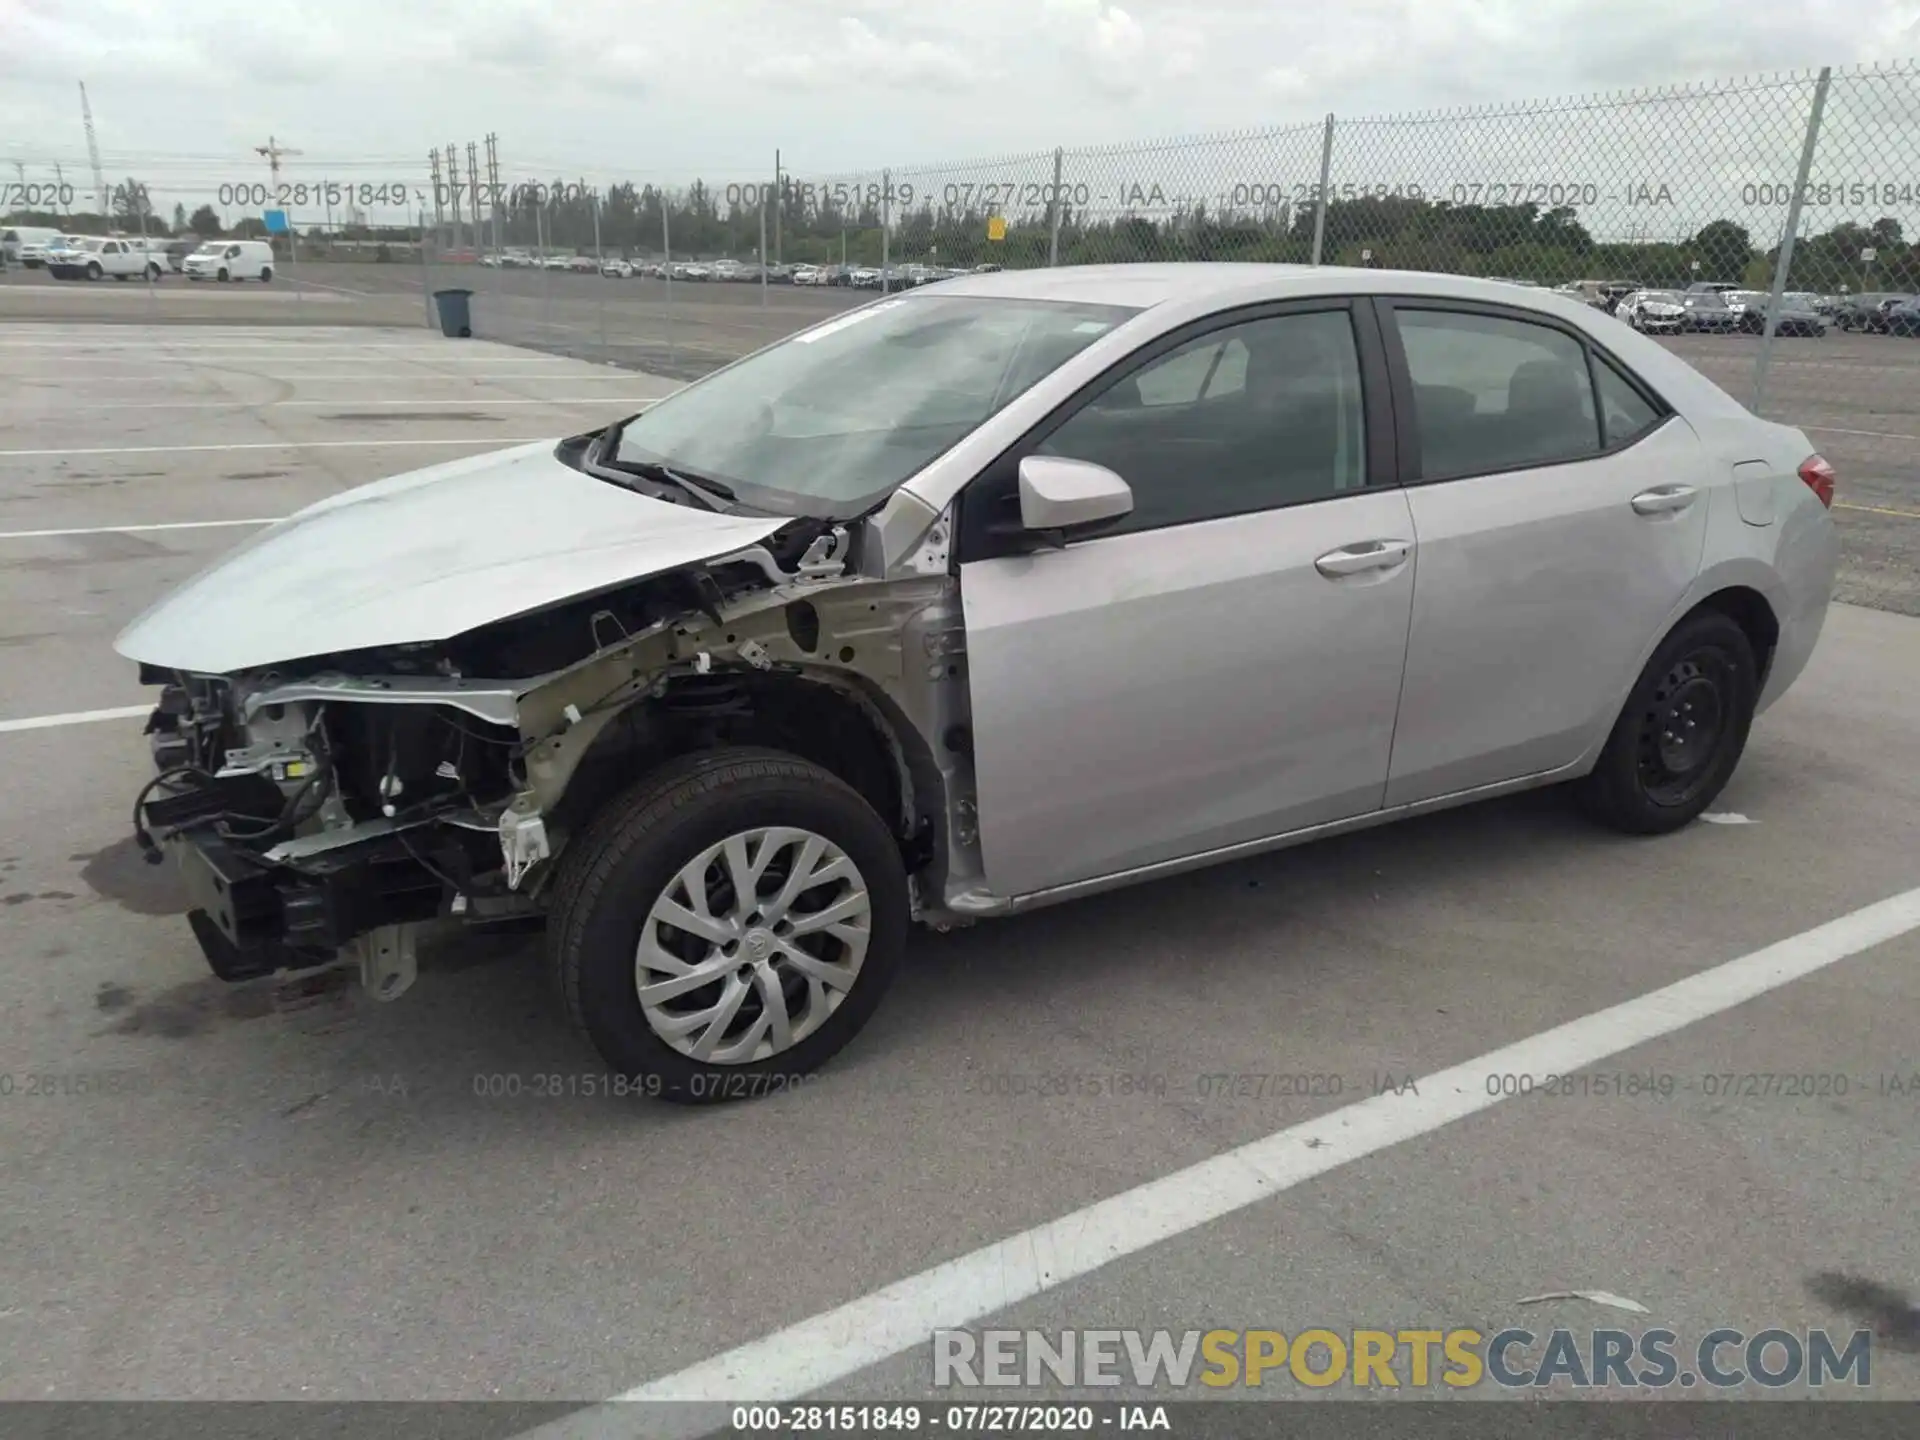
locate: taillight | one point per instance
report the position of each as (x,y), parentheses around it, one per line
(1819,477)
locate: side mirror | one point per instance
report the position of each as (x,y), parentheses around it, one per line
(1058,496)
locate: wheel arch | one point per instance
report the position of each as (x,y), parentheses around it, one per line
(834,719)
(1738,589)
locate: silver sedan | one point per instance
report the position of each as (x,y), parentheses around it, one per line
(1008,591)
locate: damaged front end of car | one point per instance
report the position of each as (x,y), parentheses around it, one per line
(333,812)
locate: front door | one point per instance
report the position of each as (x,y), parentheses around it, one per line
(1224,664)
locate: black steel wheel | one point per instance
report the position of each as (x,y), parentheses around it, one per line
(1682,731)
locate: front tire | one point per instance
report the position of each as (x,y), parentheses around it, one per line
(223,276)
(1681,733)
(94,272)
(728,925)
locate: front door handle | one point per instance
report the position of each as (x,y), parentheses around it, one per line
(1664,499)
(1358,559)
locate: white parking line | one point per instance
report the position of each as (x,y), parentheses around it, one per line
(129,529)
(500,440)
(1871,434)
(76,717)
(826,1348)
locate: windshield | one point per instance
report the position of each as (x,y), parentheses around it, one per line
(833,419)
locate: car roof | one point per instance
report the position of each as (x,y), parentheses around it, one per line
(1144,286)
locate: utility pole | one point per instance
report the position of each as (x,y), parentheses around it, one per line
(493,185)
(93,154)
(453,195)
(779,209)
(439,195)
(273,150)
(473,189)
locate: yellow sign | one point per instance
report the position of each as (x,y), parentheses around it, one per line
(996,227)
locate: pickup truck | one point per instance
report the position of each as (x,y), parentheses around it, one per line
(90,257)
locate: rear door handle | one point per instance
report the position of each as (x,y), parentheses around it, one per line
(1358,559)
(1664,499)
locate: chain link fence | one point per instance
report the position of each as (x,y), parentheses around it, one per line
(1767,225)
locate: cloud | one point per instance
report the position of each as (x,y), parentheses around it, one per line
(865,56)
(1112,50)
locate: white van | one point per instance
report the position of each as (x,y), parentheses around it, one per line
(230,260)
(26,244)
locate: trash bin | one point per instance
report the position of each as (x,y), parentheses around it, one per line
(455,320)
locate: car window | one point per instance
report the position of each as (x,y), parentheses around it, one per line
(1625,413)
(1263,414)
(1495,394)
(838,415)
(1204,370)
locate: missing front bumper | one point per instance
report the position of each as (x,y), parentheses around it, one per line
(254,919)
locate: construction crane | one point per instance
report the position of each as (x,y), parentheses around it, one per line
(93,154)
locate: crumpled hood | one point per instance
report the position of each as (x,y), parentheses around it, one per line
(425,556)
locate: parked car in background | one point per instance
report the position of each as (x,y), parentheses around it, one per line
(864,277)
(1601,294)
(26,245)
(224,260)
(1741,301)
(1712,287)
(617,270)
(582,264)
(1903,318)
(96,257)
(662,687)
(555,262)
(1794,315)
(1868,312)
(1653,311)
(1708,313)
(809,275)
(177,252)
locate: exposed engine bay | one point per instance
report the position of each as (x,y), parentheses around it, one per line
(329,811)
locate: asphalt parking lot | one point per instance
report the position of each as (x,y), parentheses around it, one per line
(219,1192)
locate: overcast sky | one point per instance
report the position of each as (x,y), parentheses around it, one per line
(663,91)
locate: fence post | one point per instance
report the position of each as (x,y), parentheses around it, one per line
(1785,261)
(763,248)
(886,225)
(426,276)
(1320,200)
(1053,239)
(666,264)
(599,263)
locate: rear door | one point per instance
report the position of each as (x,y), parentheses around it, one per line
(1561,513)
(1224,664)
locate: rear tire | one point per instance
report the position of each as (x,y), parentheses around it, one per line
(606,926)
(1682,731)
(223,276)
(266,274)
